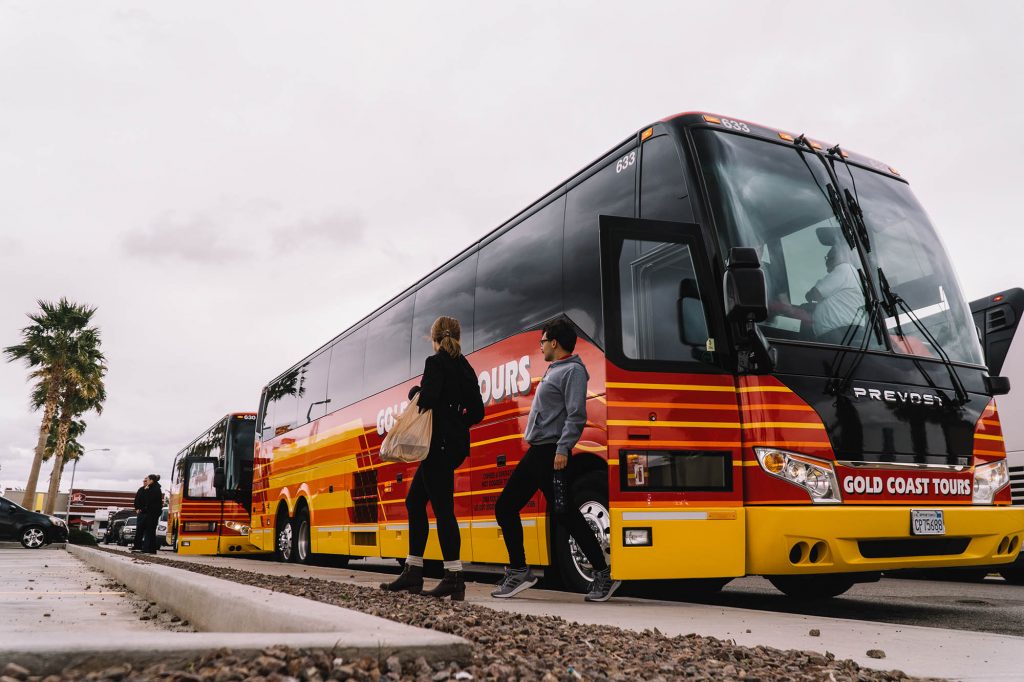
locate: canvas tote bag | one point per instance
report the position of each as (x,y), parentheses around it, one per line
(409,440)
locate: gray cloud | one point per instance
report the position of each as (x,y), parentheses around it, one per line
(337,228)
(196,238)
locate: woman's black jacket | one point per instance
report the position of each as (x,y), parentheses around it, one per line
(152,499)
(444,379)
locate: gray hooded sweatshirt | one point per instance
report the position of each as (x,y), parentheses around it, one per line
(559,410)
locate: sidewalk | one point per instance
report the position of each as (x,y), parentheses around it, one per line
(48,591)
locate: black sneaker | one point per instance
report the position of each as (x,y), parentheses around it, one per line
(514,582)
(603,586)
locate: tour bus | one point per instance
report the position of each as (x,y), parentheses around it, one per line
(784,377)
(997,318)
(211,490)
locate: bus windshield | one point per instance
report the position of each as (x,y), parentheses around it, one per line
(775,198)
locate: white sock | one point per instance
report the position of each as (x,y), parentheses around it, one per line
(414,561)
(453,565)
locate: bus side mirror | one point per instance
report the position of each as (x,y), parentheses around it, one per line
(218,479)
(693,329)
(997,385)
(746,295)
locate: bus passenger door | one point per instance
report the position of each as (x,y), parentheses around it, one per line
(673,422)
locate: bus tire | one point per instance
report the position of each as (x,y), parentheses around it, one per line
(303,541)
(590,494)
(1013,575)
(812,587)
(284,538)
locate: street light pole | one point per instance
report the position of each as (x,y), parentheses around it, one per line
(74,468)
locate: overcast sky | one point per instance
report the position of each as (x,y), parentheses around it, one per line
(233,183)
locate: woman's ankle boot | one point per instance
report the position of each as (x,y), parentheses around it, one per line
(452,585)
(410,581)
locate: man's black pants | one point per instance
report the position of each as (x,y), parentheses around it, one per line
(434,481)
(536,471)
(145,532)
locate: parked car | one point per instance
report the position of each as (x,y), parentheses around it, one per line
(127,534)
(161,529)
(31,529)
(115,525)
(101,522)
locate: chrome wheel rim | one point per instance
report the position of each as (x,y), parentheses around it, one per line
(597,517)
(33,538)
(303,541)
(284,541)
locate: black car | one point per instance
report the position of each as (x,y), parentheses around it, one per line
(31,529)
(127,534)
(115,524)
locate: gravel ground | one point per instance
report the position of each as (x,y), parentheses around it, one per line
(506,646)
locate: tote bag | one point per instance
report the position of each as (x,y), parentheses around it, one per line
(409,440)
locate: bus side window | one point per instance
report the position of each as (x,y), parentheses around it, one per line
(266,416)
(610,191)
(313,387)
(519,280)
(284,401)
(345,381)
(663,193)
(450,294)
(387,347)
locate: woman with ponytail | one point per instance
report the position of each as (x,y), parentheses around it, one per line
(449,389)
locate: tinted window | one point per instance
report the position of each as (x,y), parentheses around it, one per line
(663,194)
(387,347)
(345,383)
(450,294)
(519,280)
(313,387)
(266,428)
(606,193)
(283,402)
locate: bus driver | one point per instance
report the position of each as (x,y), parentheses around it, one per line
(837,300)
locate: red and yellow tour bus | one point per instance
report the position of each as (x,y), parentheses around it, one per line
(785,380)
(211,489)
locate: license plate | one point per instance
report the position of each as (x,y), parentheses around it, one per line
(927,522)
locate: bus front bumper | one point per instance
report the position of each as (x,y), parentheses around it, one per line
(799,540)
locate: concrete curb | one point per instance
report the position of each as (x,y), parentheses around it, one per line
(230,615)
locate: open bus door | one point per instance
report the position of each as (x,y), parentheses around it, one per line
(674,441)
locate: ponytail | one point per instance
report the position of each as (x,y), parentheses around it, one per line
(447,332)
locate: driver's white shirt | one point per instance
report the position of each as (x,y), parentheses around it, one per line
(841,299)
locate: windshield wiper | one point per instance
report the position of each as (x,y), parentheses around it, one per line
(831,192)
(894,303)
(852,203)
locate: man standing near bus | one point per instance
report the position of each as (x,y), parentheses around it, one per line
(557,418)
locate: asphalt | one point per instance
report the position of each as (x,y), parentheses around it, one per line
(230,615)
(917,650)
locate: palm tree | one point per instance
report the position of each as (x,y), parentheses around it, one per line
(83,391)
(49,347)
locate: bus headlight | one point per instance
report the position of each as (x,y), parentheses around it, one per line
(988,480)
(240,528)
(815,476)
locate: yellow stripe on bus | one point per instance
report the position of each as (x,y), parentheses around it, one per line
(673,387)
(987,437)
(785,425)
(665,424)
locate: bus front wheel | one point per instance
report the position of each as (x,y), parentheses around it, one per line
(1013,575)
(590,495)
(812,587)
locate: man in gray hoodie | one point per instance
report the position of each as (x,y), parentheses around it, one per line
(557,418)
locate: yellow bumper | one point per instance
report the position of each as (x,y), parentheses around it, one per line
(798,540)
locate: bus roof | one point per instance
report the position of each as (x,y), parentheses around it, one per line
(688,118)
